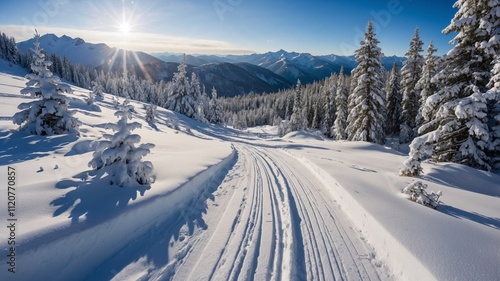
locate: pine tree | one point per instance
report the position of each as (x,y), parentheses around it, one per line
(367,118)
(393,101)
(411,73)
(118,154)
(215,109)
(494,114)
(97,89)
(427,86)
(342,113)
(316,115)
(462,132)
(297,118)
(90,99)
(48,114)
(150,113)
(181,98)
(328,114)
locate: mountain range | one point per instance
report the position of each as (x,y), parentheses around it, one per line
(231,75)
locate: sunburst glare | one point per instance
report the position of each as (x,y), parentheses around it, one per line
(125,28)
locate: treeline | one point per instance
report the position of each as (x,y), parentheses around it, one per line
(124,85)
(447,108)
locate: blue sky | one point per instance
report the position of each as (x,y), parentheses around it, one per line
(233,26)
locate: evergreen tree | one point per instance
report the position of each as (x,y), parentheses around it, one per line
(393,101)
(297,118)
(118,154)
(150,113)
(181,98)
(411,73)
(316,115)
(48,114)
(341,98)
(90,99)
(427,86)
(367,118)
(97,89)
(215,109)
(494,114)
(328,114)
(463,134)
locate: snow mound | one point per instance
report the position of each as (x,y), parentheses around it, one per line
(303,135)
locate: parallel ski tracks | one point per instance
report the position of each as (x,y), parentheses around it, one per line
(287,227)
(271,218)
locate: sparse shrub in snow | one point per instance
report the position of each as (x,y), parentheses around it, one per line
(48,114)
(416,192)
(119,154)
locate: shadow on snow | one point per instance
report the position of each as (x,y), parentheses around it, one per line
(475,217)
(19,146)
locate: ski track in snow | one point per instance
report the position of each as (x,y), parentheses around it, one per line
(270,219)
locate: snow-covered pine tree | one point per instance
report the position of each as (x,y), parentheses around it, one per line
(494,114)
(411,73)
(297,118)
(181,98)
(200,99)
(463,134)
(328,114)
(48,114)
(119,155)
(339,129)
(393,101)
(150,113)
(366,120)
(316,115)
(427,86)
(90,99)
(215,109)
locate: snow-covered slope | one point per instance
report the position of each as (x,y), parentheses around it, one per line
(231,204)
(75,49)
(67,222)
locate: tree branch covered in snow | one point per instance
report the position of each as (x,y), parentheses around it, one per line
(416,192)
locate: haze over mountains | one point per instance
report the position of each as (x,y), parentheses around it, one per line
(231,75)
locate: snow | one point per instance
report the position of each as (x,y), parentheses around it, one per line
(230,204)
(76,50)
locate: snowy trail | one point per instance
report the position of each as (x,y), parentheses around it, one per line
(271,219)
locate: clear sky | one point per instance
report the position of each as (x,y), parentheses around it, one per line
(318,27)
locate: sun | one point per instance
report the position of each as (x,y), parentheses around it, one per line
(124,28)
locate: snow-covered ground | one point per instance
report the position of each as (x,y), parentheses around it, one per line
(236,205)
